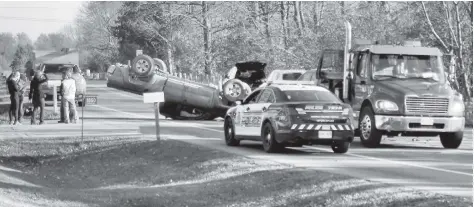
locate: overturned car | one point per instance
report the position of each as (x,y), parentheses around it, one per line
(186,99)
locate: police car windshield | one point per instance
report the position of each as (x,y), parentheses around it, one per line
(310,95)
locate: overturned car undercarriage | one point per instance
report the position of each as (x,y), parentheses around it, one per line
(186,99)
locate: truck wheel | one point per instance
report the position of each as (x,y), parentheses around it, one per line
(451,140)
(229,133)
(270,145)
(234,90)
(340,147)
(142,65)
(369,135)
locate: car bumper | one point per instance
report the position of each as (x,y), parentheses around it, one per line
(312,133)
(416,124)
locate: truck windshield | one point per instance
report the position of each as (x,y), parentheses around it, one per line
(389,66)
(310,95)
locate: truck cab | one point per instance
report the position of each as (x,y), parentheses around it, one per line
(395,90)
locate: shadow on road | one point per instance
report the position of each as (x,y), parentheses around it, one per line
(391,146)
(257,147)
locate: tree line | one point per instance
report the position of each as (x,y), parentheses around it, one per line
(17,51)
(209,37)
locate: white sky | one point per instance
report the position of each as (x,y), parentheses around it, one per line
(36,17)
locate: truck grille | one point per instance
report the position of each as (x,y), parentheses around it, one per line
(419,105)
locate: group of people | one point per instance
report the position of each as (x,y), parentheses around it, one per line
(17,84)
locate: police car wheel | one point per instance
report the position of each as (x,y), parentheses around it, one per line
(369,135)
(270,145)
(340,147)
(451,140)
(229,133)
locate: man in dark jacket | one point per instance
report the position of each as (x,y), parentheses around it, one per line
(37,94)
(14,90)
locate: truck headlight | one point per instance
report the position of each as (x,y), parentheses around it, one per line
(386,105)
(457,108)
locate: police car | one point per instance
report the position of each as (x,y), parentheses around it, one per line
(286,114)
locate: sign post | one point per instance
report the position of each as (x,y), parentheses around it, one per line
(55,99)
(86,100)
(156,98)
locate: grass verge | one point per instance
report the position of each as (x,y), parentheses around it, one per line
(131,171)
(49,114)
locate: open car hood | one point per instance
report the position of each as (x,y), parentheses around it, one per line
(251,71)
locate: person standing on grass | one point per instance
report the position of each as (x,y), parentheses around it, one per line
(80,84)
(37,94)
(68,93)
(22,83)
(13,90)
(64,69)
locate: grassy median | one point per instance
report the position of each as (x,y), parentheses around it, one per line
(49,114)
(134,171)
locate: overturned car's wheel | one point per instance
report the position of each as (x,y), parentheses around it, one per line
(142,65)
(235,89)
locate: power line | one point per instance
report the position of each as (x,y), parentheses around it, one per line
(36,19)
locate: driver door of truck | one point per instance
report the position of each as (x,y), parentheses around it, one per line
(361,82)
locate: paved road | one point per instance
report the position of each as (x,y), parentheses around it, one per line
(417,162)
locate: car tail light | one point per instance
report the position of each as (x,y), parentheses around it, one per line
(348,114)
(283,116)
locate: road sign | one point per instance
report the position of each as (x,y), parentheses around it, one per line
(91,100)
(156,98)
(153,97)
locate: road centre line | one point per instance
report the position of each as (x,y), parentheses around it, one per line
(394,161)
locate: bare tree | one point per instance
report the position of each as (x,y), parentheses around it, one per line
(207,37)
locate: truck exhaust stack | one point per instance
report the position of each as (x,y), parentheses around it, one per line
(347,47)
